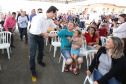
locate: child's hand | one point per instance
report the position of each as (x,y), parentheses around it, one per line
(69,37)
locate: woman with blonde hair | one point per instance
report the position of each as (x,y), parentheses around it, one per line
(110,63)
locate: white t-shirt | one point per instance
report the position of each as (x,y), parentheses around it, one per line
(120,31)
(82,16)
(40,24)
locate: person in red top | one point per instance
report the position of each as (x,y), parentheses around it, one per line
(92,39)
(9,25)
(103,31)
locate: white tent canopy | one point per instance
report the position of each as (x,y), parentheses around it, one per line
(63,5)
(59,1)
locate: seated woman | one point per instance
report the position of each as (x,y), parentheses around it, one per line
(110,63)
(92,39)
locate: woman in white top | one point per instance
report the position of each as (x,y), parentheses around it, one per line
(121,30)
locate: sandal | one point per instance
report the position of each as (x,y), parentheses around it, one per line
(66,69)
(75,70)
(71,68)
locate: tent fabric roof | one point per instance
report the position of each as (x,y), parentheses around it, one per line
(59,1)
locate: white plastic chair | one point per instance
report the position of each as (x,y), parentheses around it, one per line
(55,41)
(103,40)
(83,50)
(63,64)
(90,54)
(46,41)
(5,41)
(83,30)
(108,37)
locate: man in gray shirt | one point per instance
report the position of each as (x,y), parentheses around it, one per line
(23,23)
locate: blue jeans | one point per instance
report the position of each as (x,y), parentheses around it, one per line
(82,24)
(98,75)
(36,41)
(67,54)
(90,47)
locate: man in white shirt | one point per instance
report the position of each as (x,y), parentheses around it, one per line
(82,20)
(39,25)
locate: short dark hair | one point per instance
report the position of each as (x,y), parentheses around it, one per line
(102,25)
(39,9)
(94,23)
(124,16)
(52,8)
(72,22)
(13,13)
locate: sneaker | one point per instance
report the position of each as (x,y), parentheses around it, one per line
(42,64)
(33,73)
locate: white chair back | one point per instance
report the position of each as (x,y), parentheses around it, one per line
(5,37)
(55,39)
(108,37)
(91,54)
(84,46)
(83,30)
(5,41)
(103,40)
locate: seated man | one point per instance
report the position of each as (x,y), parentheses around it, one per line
(103,31)
(9,25)
(66,46)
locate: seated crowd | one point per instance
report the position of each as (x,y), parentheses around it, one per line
(108,65)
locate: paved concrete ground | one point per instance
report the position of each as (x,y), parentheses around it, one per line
(16,70)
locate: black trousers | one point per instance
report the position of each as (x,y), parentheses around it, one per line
(23,31)
(12,37)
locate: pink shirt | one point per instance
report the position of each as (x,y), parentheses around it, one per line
(9,23)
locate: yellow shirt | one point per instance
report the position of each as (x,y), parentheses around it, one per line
(50,29)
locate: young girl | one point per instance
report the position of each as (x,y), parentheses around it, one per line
(76,41)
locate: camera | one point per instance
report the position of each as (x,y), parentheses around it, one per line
(114,19)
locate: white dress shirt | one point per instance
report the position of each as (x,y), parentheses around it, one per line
(40,24)
(120,31)
(82,16)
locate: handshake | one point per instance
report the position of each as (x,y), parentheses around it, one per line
(46,35)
